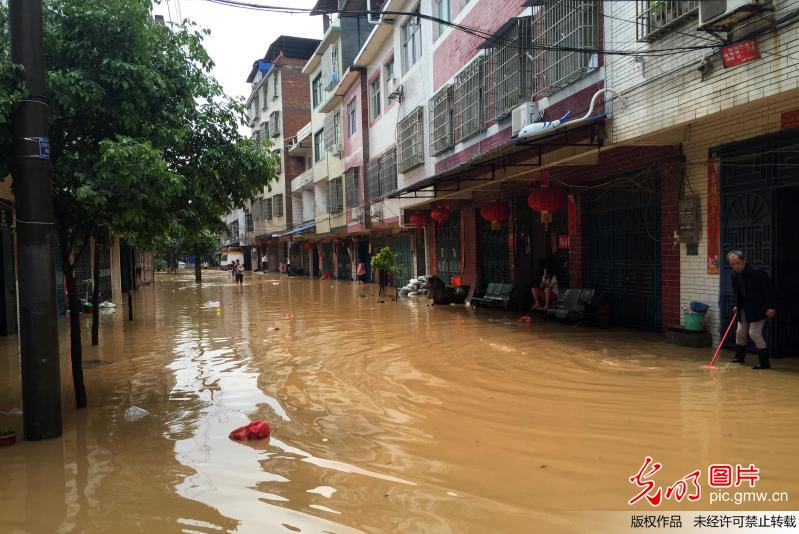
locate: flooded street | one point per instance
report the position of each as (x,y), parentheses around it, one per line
(386,417)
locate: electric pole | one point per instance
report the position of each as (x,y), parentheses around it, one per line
(35,228)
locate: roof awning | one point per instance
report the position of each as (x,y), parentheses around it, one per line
(297,229)
(515,153)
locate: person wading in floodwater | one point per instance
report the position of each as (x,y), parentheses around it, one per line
(755,301)
(239,273)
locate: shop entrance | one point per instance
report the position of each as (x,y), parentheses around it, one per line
(759,195)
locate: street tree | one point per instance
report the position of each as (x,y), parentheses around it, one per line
(138,128)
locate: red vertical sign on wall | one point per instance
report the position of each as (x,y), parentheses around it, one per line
(713,245)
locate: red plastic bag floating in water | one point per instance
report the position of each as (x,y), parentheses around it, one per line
(255,430)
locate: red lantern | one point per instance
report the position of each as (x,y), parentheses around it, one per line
(440,215)
(546,200)
(270,243)
(309,246)
(419,219)
(495,212)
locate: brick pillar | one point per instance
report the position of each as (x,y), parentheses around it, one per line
(469,246)
(578,253)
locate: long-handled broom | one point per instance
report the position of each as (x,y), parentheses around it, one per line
(718,349)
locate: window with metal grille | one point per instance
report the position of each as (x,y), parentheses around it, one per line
(657,17)
(265,130)
(410,140)
(381,175)
(278,166)
(389,82)
(335,196)
(267,208)
(248,222)
(277,205)
(264,101)
(388,171)
(257,136)
(564,43)
(275,83)
(274,123)
(508,71)
(373,179)
(352,186)
(467,101)
(440,107)
(333,137)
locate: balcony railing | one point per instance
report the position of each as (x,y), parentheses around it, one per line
(302,181)
(657,17)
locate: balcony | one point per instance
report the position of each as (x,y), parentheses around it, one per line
(300,144)
(303,181)
(656,18)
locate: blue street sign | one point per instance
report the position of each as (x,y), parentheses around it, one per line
(44,148)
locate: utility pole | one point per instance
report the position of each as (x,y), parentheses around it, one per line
(35,227)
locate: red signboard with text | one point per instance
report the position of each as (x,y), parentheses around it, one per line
(740,53)
(790,119)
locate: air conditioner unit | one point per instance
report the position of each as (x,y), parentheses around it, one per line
(374,7)
(724,14)
(524,115)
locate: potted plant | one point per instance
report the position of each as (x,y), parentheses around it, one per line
(384,263)
(8,436)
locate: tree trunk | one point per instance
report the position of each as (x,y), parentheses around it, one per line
(76,349)
(198,273)
(96,296)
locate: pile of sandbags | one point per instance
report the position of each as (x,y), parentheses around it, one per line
(415,287)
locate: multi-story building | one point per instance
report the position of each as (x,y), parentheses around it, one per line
(333,252)
(278,108)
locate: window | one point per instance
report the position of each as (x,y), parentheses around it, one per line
(335,196)
(656,17)
(319,145)
(274,85)
(248,222)
(411,41)
(274,123)
(265,130)
(264,99)
(333,133)
(509,71)
(352,124)
(352,186)
(278,165)
(440,107)
(441,10)
(330,68)
(388,79)
(316,88)
(256,102)
(268,208)
(467,105)
(257,137)
(411,140)
(564,43)
(277,205)
(381,175)
(374,98)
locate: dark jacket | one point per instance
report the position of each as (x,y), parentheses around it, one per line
(754,293)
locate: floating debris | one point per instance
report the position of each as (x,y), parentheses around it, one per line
(134,413)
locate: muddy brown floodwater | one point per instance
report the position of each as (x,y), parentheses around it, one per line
(386,417)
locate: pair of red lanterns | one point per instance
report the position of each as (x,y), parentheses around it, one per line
(440,215)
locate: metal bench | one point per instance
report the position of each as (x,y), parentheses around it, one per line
(574,303)
(495,294)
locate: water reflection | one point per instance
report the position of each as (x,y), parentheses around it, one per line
(385,417)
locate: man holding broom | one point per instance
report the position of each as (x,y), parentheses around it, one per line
(755,301)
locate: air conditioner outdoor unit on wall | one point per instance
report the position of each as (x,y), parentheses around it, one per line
(724,14)
(524,115)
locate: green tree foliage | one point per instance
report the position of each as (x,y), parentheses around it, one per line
(142,138)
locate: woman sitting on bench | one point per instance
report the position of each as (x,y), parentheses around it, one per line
(547,290)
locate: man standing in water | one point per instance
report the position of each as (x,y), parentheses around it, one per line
(755,301)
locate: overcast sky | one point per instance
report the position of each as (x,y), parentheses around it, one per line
(240,36)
